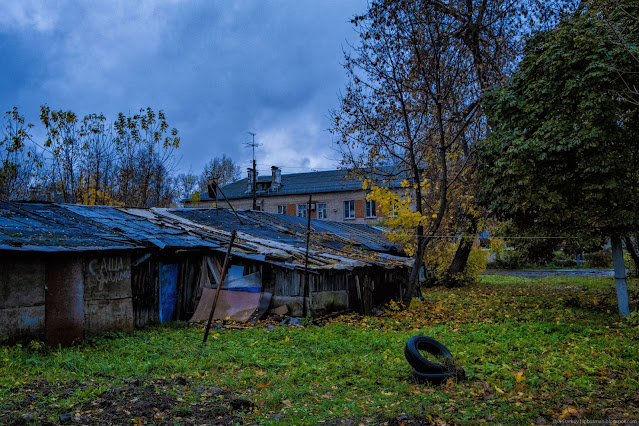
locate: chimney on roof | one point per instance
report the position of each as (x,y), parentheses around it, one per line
(276,173)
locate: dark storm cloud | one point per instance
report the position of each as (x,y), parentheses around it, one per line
(218,69)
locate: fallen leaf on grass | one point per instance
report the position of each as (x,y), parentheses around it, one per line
(569,412)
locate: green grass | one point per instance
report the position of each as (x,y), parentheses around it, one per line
(533,350)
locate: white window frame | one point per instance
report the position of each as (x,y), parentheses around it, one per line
(302,210)
(349,209)
(281,209)
(322,211)
(371,209)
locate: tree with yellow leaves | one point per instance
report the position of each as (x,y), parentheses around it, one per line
(413,103)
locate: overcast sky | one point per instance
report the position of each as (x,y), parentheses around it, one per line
(218,69)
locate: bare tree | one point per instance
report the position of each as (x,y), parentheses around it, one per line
(221,169)
(186,185)
(18,161)
(97,161)
(623,32)
(417,79)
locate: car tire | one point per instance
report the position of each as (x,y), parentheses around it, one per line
(432,378)
(417,360)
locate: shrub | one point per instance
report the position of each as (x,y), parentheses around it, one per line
(440,258)
(599,259)
(508,259)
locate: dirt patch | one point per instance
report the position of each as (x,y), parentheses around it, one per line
(136,401)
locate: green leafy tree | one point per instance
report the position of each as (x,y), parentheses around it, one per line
(63,144)
(145,145)
(563,151)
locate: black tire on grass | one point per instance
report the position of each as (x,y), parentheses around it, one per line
(432,378)
(417,360)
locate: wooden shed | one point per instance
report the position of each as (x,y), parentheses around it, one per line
(71,271)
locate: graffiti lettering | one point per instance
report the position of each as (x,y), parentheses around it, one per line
(108,270)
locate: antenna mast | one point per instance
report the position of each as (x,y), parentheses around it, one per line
(254,185)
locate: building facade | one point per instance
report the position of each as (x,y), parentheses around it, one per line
(334,196)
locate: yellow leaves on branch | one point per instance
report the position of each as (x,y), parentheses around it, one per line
(399,209)
(91,197)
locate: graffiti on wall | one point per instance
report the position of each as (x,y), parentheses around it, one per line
(108,270)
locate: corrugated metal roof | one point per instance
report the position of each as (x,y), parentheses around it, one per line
(278,239)
(52,227)
(292,229)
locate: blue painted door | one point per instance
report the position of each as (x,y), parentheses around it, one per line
(168,291)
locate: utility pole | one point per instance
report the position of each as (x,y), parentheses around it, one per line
(253,186)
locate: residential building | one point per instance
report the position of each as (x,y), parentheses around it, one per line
(335,196)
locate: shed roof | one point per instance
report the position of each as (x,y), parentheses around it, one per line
(278,239)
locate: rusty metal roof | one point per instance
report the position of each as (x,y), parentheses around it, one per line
(278,239)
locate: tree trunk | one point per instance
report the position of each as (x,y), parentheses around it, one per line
(414,273)
(460,260)
(620,276)
(633,253)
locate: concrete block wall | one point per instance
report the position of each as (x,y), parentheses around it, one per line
(64,298)
(22,300)
(108,299)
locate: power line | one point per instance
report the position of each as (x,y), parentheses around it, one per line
(295,167)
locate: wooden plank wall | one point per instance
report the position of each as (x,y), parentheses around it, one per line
(144,286)
(189,290)
(377,285)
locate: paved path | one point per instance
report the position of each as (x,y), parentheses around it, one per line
(536,273)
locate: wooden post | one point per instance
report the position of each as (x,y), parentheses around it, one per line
(219,285)
(305,289)
(620,276)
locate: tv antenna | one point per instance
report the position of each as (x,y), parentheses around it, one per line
(254,185)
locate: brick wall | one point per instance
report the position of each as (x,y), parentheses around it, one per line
(360,208)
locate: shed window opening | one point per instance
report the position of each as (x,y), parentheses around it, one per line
(349,209)
(281,209)
(321,211)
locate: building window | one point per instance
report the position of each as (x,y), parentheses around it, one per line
(301,210)
(371,209)
(393,210)
(281,209)
(321,211)
(349,209)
